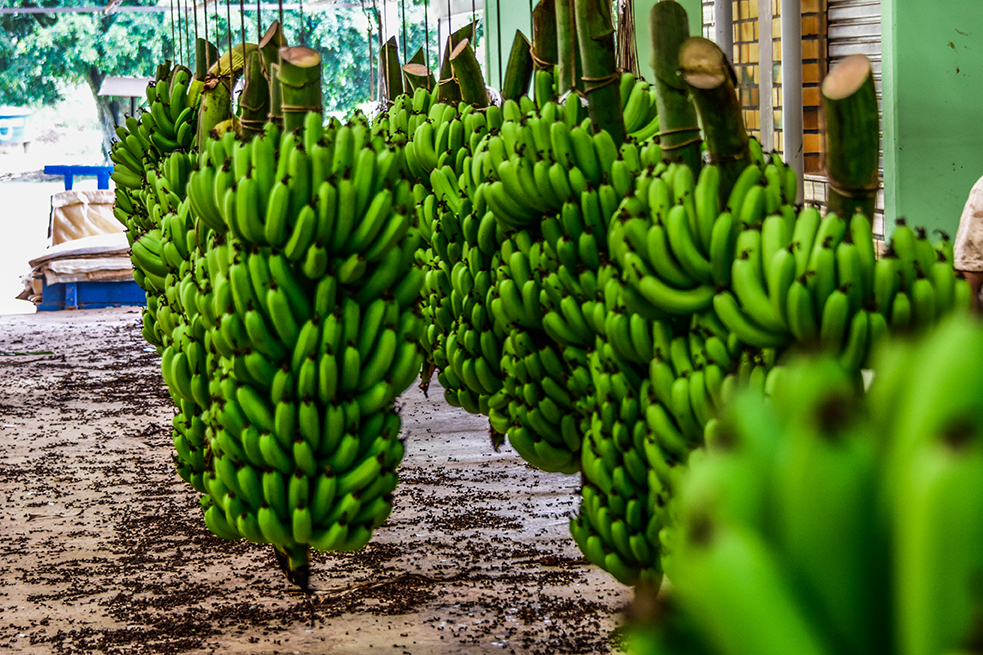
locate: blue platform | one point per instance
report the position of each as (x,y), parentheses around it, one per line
(102,174)
(90,295)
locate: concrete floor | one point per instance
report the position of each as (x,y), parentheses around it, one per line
(105,552)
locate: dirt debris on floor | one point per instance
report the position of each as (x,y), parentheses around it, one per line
(104,549)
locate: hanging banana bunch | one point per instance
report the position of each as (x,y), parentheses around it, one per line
(882,560)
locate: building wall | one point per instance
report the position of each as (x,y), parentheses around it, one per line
(933,86)
(503,17)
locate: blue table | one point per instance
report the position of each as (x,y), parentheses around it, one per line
(69,172)
(88,295)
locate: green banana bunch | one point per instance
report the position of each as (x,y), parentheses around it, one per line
(167,125)
(882,558)
(639,108)
(621,512)
(143,144)
(535,402)
(158,223)
(307,294)
(817,281)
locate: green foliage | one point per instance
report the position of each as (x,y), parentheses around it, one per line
(41,54)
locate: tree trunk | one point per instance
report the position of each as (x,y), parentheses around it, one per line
(105,110)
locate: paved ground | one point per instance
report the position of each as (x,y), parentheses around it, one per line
(104,550)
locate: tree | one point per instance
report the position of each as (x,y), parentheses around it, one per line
(41,55)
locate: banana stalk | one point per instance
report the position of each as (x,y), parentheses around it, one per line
(416,74)
(852,136)
(467,72)
(712,83)
(206,54)
(447,88)
(518,71)
(163,70)
(231,63)
(680,132)
(270,46)
(544,36)
(300,84)
(255,98)
(216,106)
(392,74)
(595,36)
(568,65)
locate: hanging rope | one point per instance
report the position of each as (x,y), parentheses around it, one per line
(187,31)
(406,53)
(474,26)
(172,28)
(205,20)
(450,31)
(368,35)
(498,31)
(303,41)
(228,21)
(180,45)
(185,28)
(259,29)
(627,48)
(179,11)
(426,33)
(280,7)
(242,28)
(218,35)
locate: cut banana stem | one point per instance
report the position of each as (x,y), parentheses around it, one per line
(300,84)
(255,98)
(390,70)
(270,46)
(595,38)
(447,88)
(518,71)
(712,81)
(467,72)
(852,136)
(206,54)
(418,76)
(568,66)
(679,130)
(544,36)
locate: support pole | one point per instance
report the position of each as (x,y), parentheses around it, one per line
(723,26)
(766,74)
(792,88)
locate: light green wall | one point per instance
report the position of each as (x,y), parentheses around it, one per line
(515,15)
(694,11)
(933,109)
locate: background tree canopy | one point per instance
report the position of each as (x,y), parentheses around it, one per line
(43,56)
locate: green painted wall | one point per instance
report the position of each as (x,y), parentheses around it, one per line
(514,15)
(933,109)
(694,11)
